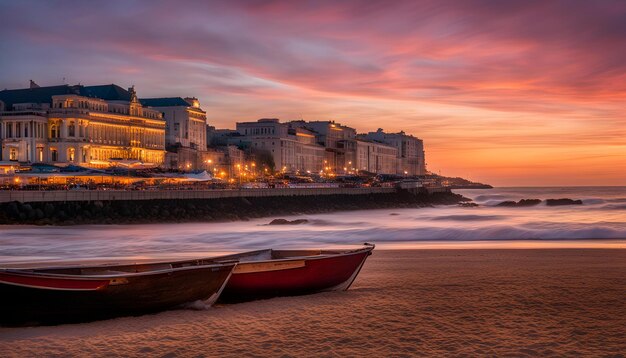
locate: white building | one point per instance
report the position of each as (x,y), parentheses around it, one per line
(339,143)
(83,125)
(375,157)
(411,156)
(293,149)
(185,121)
(185,131)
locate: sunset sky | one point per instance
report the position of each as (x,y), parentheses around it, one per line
(505,92)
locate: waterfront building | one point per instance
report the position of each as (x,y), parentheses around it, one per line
(219,137)
(91,126)
(375,157)
(309,155)
(225,149)
(338,141)
(185,131)
(292,149)
(411,156)
(216,161)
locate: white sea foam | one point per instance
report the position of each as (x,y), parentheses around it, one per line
(602,217)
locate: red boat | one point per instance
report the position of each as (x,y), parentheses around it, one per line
(271,273)
(84,293)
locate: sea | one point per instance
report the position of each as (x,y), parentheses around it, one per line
(599,223)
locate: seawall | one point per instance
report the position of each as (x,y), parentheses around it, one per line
(26,196)
(130,207)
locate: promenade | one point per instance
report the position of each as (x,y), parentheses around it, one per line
(27,196)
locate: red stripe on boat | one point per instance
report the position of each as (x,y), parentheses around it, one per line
(52,283)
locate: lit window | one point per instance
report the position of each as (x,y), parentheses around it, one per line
(13,154)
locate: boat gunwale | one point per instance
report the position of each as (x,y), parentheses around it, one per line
(228,260)
(34,273)
(368,248)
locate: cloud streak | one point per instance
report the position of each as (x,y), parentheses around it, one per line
(477,80)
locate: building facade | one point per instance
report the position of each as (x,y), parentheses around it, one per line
(185,134)
(91,126)
(375,157)
(411,155)
(339,143)
(293,149)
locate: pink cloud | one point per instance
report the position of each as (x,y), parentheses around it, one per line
(488,72)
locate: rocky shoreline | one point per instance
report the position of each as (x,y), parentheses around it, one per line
(535,202)
(208,210)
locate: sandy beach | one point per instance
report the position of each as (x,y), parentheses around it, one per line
(563,302)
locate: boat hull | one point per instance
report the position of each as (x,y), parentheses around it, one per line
(47,300)
(291,277)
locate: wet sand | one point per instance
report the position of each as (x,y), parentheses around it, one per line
(516,302)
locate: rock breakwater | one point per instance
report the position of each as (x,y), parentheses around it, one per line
(207,210)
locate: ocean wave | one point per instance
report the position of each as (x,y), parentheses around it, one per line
(616,200)
(602,217)
(492,197)
(202,242)
(493,233)
(469,217)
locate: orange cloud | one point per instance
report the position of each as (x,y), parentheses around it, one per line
(510,92)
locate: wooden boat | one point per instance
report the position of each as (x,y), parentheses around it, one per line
(271,273)
(82,293)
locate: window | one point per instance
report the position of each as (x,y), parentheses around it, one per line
(70,154)
(72,129)
(54,131)
(40,154)
(9,130)
(13,154)
(54,155)
(18,129)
